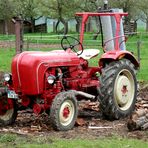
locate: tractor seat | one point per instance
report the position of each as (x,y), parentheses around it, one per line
(89,53)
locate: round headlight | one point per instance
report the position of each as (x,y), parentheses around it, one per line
(51,79)
(7,77)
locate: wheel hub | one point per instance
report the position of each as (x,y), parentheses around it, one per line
(66,112)
(123,90)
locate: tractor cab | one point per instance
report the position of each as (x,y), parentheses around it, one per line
(111,29)
(113,38)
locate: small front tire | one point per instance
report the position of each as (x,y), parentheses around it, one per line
(64,111)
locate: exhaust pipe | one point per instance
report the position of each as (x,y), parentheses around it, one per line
(86,95)
(105,4)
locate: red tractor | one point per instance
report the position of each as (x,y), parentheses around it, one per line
(54,82)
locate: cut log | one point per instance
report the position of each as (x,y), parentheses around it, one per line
(139,119)
(145,126)
(145,105)
(80,122)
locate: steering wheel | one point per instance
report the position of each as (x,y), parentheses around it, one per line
(72,43)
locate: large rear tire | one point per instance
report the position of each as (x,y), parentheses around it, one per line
(64,111)
(118,89)
(8,111)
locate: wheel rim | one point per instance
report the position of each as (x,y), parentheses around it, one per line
(6,109)
(124,89)
(66,112)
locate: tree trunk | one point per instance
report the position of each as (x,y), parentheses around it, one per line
(66,28)
(147,25)
(88,25)
(77,24)
(32,25)
(97,23)
(65,23)
(6,27)
(56,26)
(98,28)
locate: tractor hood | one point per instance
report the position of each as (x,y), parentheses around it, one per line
(28,68)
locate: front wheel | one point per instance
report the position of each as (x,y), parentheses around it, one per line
(64,111)
(118,89)
(8,111)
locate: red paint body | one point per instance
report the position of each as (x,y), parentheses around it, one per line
(30,71)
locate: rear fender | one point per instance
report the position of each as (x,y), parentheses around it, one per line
(117,55)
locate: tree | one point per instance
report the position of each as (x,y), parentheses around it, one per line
(127,6)
(143,7)
(131,7)
(6,12)
(29,9)
(89,6)
(62,10)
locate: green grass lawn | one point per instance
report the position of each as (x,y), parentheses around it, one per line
(132,46)
(20,141)
(6,56)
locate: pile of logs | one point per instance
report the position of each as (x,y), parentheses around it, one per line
(139,119)
(87,109)
(89,105)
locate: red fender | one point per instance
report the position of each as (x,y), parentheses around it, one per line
(117,55)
